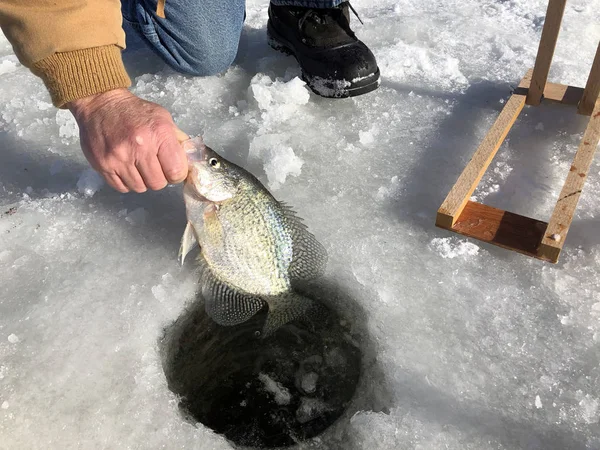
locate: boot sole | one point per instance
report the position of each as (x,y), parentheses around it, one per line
(320,86)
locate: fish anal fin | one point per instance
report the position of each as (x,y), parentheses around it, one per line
(226,305)
(283,309)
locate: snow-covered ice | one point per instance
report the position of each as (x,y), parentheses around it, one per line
(466,346)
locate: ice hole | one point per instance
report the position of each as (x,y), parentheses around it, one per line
(262,393)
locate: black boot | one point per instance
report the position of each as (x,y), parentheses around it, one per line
(334,62)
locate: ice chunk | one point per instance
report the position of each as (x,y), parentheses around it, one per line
(538,402)
(89,182)
(68,129)
(310,409)
(278,160)
(161,291)
(309,382)
(5,405)
(367,137)
(8,65)
(280,393)
(280,163)
(268,93)
(13,338)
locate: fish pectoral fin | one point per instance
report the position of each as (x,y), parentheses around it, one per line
(283,309)
(226,305)
(188,241)
(309,257)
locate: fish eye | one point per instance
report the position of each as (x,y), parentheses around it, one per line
(214,162)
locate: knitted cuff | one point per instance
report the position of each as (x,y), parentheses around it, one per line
(79,73)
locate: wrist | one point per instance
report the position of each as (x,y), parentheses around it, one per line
(90,103)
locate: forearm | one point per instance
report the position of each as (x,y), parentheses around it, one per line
(73,45)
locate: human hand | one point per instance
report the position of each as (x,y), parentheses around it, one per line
(134,144)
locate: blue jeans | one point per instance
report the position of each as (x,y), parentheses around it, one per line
(198,37)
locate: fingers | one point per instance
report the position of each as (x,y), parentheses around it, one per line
(134,143)
(152,173)
(132,179)
(173,159)
(115,182)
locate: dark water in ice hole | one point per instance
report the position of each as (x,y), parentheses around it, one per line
(263,393)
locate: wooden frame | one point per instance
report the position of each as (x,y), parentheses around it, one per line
(512,231)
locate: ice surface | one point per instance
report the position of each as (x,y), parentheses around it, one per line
(460,339)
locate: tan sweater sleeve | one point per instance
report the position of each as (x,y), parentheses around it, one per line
(73,45)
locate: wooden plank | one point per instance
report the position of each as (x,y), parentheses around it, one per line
(554,92)
(561,93)
(554,15)
(469,179)
(592,88)
(501,228)
(561,219)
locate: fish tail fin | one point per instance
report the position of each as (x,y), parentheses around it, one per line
(285,308)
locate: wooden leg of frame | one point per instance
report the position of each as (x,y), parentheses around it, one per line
(554,15)
(458,197)
(561,219)
(592,88)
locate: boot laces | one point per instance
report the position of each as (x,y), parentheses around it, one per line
(323,16)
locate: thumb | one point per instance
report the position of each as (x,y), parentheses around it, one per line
(172,157)
(181,136)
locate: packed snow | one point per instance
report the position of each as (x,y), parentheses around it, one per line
(465,346)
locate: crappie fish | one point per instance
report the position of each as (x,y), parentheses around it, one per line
(252,247)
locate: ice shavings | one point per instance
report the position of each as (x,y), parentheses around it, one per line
(449,247)
(589,409)
(280,393)
(412,63)
(328,86)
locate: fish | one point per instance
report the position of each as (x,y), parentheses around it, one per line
(252,246)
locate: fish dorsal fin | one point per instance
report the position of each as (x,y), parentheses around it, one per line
(223,303)
(188,241)
(309,257)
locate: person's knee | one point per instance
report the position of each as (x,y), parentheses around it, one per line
(207,60)
(201,37)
